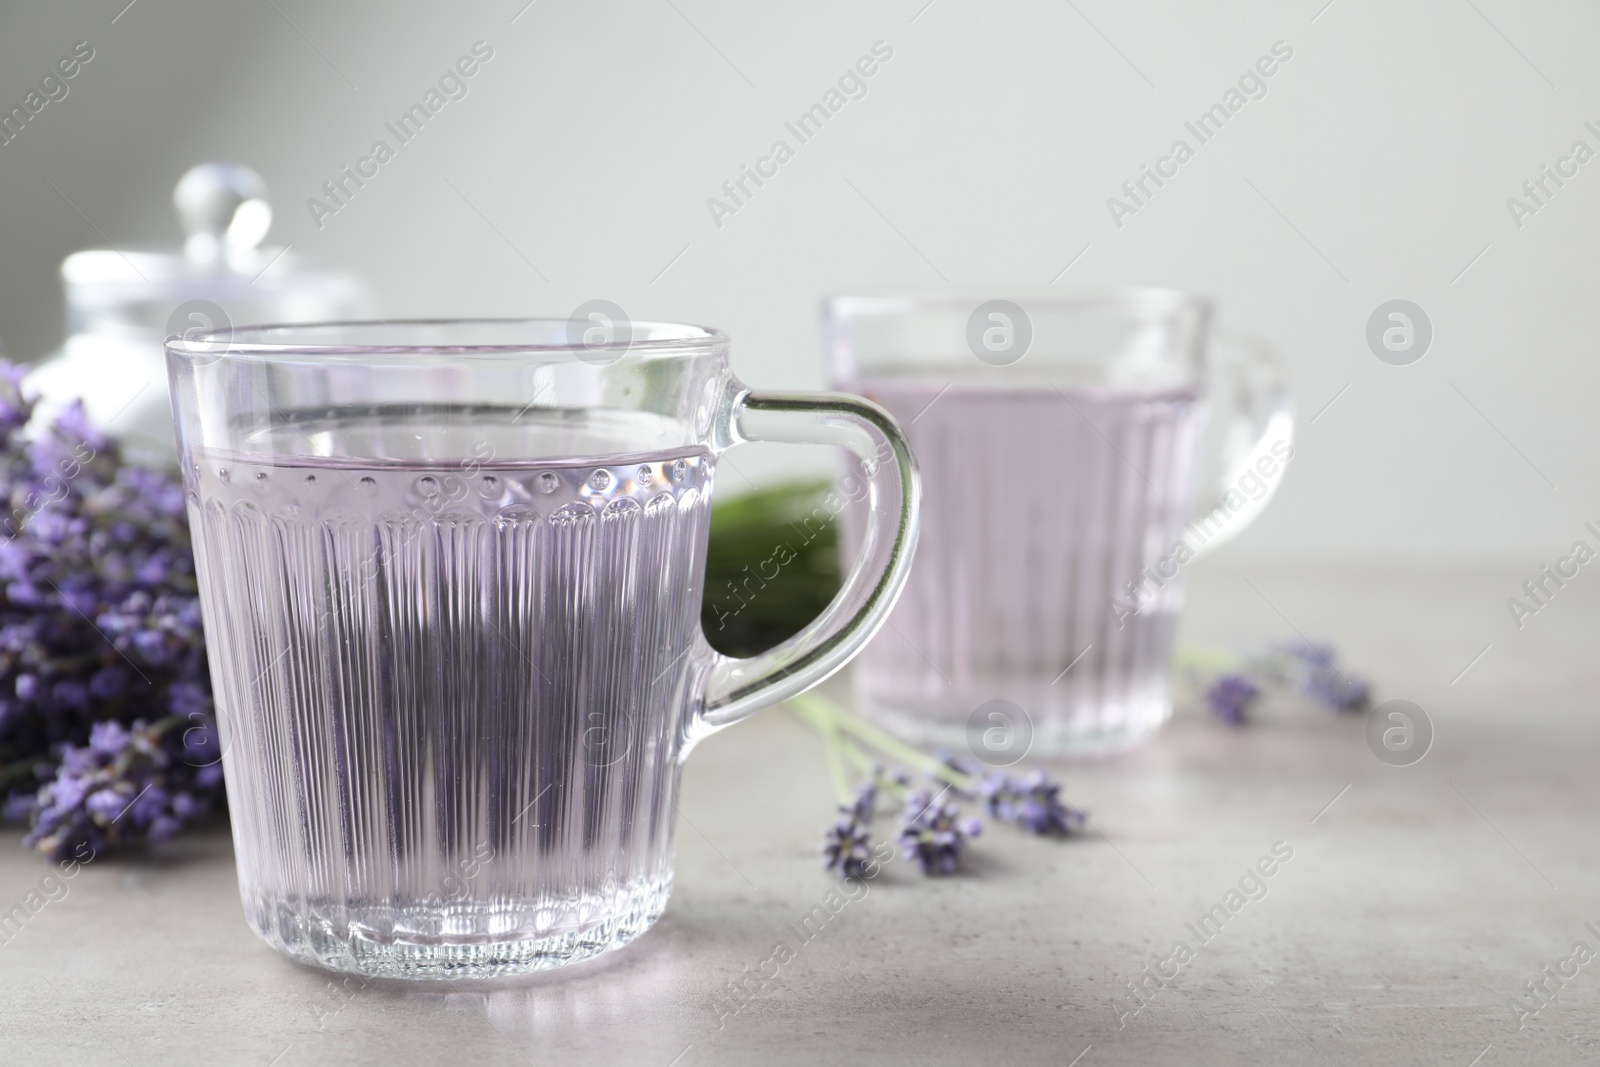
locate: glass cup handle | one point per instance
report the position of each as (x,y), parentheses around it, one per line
(1257,442)
(736,688)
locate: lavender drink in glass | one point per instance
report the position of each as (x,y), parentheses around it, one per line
(1057,439)
(451,577)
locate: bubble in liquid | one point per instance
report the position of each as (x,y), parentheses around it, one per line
(600,480)
(223,476)
(548,482)
(645,474)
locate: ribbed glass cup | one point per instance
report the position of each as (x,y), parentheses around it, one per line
(1058,438)
(451,577)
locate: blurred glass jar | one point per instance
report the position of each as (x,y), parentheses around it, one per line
(122,304)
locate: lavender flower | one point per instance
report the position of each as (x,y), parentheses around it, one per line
(847,844)
(933,832)
(1319,675)
(106,727)
(116,788)
(1230,696)
(1304,666)
(1033,802)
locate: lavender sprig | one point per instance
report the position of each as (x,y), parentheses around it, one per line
(933,832)
(930,829)
(107,733)
(1032,802)
(847,845)
(1317,672)
(117,788)
(1231,687)
(1230,698)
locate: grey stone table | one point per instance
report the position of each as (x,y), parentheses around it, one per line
(1417,904)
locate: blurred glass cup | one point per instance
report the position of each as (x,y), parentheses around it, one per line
(1059,437)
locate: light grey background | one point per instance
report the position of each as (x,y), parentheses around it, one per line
(1377,167)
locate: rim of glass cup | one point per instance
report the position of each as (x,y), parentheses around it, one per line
(646,340)
(1142,301)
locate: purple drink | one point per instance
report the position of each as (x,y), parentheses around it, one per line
(452,697)
(451,574)
(1040,505)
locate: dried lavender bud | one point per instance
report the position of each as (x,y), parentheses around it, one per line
(933,832)
(847,844)
(846,847)
(963,766)
(1315,669)
(1230,697)
(1032,802)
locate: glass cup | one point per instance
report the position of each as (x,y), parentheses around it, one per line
(1057,436)
(451,576)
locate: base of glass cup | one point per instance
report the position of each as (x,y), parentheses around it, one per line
(1036,722)
(304,931)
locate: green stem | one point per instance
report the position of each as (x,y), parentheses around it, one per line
(866,767)
(1204,659)
(833,744)
(161,726)
(863,762)
(819,709)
